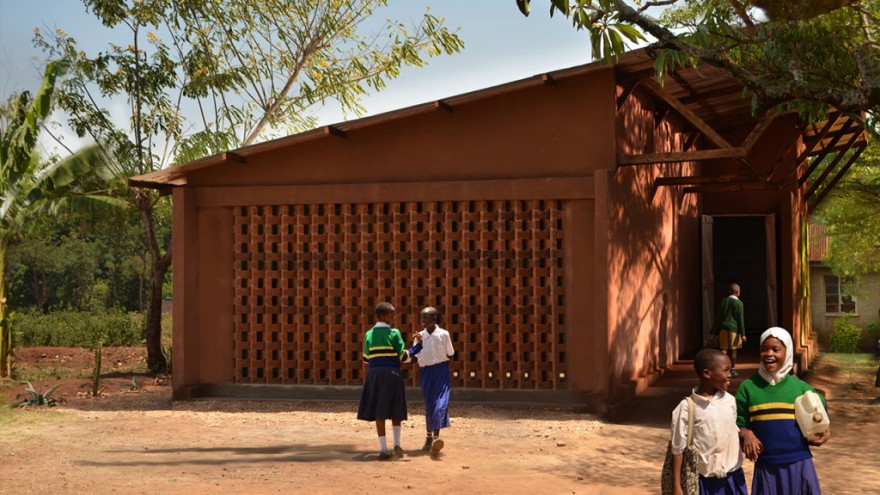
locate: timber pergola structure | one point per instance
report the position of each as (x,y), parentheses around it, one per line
(713,103)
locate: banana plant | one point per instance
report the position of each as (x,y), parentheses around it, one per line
(30,185)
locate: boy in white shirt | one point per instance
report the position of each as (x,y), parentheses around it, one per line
(716,435)
(433,348)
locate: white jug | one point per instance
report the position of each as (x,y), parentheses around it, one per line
(811,415)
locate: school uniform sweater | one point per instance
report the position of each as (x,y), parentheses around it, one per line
(768,410)
(730,316)
(383,346)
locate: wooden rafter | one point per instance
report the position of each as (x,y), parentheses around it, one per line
(693,94)
(830,167)
(685,112)
(837,177)
(758,130)
(707,179)
(682,156)
(442,105)
(818,159)
(745,186)
(627,91)
(229,156)
(331,130)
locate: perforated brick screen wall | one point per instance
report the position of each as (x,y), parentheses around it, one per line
(307,278)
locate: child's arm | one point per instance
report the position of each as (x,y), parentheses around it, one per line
(751,446)
(676,474)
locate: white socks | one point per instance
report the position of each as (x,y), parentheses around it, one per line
(396,435)
(383,446)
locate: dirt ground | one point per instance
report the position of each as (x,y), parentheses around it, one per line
(134,439)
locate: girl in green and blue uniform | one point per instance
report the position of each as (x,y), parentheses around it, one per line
(766,418)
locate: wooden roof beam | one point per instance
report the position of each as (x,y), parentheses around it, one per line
(690,116)
(713,188)
(229,156)
(812,206)
(821,135)
(548,80)
(758,130)
(680,156)
(830,167)
(818,159)
(707,179)
(332,130)
(442,105)
(693,94)
(627,91)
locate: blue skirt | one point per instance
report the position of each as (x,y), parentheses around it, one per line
(435,388)
(797,478)
(733,484)
(383,395)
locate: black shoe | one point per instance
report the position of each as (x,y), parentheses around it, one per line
(436,446)
(398,451)
(428,442)
(384,455)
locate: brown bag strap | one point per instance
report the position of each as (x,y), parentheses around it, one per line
(690,437)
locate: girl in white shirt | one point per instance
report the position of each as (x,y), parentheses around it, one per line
(716,435)
(433,348)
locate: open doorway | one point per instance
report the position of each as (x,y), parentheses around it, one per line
(742,250)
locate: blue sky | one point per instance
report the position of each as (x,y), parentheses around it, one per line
(500,46)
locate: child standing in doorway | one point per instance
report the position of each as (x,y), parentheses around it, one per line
(768,428)
(715,433)
(433,348)
(384,395)
(730,325)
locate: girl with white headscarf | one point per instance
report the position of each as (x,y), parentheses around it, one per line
(765,415)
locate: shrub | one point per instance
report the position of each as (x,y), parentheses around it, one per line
(846,337)
(873,330)
(37,398)
(69,328)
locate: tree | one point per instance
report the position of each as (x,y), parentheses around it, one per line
(31,186)
(247,69)
(806,55)
(850,214)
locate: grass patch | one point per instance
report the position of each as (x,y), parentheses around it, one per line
(855,372)
(12,417)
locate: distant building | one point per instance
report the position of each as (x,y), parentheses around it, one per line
(831,297)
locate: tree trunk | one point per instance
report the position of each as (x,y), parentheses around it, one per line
(155,356)
(159,265)
(5,324)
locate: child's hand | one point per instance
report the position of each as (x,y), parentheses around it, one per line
(417,338)
(821,438)
(676,490)
(752,447)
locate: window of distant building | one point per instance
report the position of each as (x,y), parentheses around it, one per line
(837,300)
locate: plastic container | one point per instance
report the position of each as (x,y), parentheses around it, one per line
(811,415)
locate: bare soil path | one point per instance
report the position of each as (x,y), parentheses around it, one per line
(139,442)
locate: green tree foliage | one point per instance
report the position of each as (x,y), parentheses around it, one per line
(802,54)
(248,69)
(850,214)
(31,186)
(86,261)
